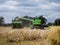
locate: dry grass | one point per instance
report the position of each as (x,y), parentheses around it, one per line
(23,34)
(53,36)
(26,36)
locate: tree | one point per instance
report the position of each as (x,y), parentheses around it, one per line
(57,22)
(25,16)
(28,17)
(1,21)
(50,24)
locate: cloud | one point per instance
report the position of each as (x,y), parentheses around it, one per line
(2,1)
(12,8)
(9,4)
(56,1)
(51,5)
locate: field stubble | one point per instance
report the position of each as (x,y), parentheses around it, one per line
(26,36)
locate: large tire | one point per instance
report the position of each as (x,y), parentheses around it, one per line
(21,26)
(13,27)
(41,27)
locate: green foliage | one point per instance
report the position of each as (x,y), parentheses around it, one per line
(1,20)
(50,24)
(57,22)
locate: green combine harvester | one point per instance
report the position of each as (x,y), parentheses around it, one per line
(31,23)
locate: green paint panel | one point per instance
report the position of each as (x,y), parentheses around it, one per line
(37,22)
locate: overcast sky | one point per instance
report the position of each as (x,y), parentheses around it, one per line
(12,8)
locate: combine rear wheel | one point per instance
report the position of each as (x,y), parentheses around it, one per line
(13,27)
(41,27)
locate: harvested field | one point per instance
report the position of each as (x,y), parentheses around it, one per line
(26,36)
(53,37)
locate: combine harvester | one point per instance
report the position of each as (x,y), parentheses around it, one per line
(26,22)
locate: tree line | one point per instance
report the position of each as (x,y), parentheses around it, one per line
(56,22)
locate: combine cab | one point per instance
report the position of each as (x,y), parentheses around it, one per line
(36,23)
